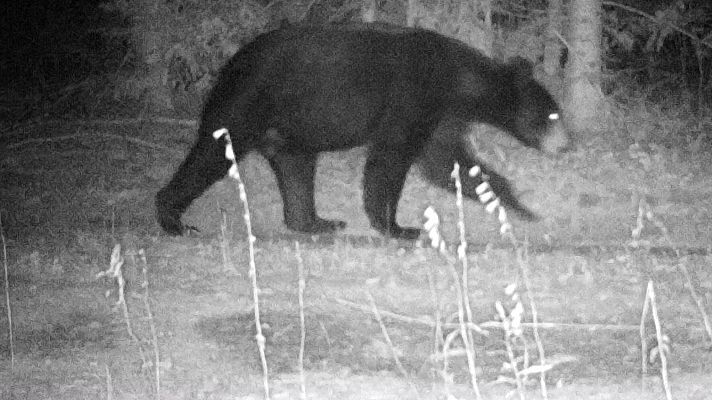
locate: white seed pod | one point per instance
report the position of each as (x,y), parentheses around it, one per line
(220,133)
(506,227)
(502,215)
(233,172)
(455,171)
(487,196)
(491,207)
(229,154)
(474,171)
(482,187)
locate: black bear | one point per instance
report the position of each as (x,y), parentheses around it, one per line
(299,91)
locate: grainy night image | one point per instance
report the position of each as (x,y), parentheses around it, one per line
(356,199)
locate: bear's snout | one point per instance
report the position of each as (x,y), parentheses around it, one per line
(557,139)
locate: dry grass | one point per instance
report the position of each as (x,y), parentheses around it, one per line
(319,322)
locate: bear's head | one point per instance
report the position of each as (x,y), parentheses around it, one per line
(508,97)
(537,121)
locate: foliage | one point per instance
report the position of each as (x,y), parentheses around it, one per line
(671,44)
(684,14)
(187,41)
(57,55)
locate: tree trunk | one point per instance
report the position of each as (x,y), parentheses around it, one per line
(552,47)
(368,10)
(150,43)
(583,99)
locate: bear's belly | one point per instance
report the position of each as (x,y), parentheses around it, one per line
(330,123)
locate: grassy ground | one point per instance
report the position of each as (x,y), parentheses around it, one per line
(67,203)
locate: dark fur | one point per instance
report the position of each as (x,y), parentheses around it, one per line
(299,91)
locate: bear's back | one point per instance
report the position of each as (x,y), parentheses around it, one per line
(357,52)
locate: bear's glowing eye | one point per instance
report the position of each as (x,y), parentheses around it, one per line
(554,116)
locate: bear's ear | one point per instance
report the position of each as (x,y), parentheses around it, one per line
(521,66)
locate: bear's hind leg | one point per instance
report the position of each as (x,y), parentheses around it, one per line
(295,177)
(204,165)
(384,177)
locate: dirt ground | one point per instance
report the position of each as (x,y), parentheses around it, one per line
(68,198)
